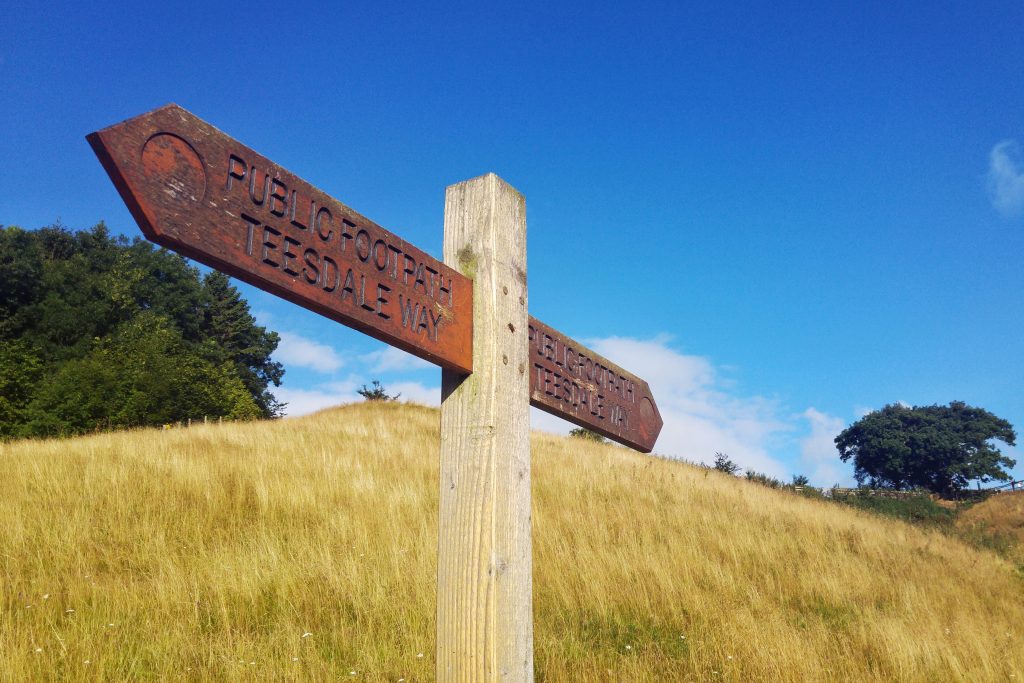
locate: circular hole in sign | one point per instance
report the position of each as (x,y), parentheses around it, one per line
(175,167)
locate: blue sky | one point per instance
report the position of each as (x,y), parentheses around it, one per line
(781,217)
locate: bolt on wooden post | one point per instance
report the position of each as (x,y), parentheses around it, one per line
(484,573)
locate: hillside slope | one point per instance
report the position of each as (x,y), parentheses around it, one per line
(998,521)
(305,549)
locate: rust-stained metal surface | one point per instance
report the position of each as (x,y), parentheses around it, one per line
(195,190)
(572,382)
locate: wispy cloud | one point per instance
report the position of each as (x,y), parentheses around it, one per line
(1006,179)
(415,392)
(305,401)
(818,454)
(701,416)
(391,359)
(861,411)
(703,411)
(296,350)
(329,394)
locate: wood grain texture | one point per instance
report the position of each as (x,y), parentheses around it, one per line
(484,579)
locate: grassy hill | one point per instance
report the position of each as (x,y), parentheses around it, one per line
(305,549)
(997,522)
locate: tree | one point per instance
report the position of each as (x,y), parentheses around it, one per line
(800,480)
(21,266)
(20,370)
(377,393)
(144,374)
(724,464)
(583,433)
(101,332)
(938,448)
(235,338)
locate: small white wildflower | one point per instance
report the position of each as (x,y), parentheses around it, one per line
(420,655)
(629,647)
(68,611)
(46,596)
(252,663)
(729,657)
(351,673)
(85,662)
(110,625)
(307,634)
(295,659)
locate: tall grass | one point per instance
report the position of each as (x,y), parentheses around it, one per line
(997,522)
(305,549)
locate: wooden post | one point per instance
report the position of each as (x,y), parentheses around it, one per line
(484,563)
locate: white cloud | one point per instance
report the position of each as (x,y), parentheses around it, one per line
(296,350)
(818,454)
(392,359)
(415,392)
(305,401)
(1006,178)
(703,412)
(700,417)
(546,422)
(262,316)
(329,394)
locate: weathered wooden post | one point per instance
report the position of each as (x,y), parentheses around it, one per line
(484,564)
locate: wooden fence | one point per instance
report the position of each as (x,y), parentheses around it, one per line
(839,492)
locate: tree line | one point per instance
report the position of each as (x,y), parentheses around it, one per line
(102,332)
(936,448)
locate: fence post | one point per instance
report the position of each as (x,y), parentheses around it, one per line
(484,563)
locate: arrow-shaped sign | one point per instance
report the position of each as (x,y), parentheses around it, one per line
(194,189)
(569,380)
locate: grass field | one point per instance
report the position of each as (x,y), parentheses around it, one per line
(305,549)
(997,522)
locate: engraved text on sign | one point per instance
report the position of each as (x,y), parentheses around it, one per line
(571,381)
(193,189)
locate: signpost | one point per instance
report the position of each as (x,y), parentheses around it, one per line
(572,382)
(195,190)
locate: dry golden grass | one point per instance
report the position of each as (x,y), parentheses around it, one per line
(997,521)
(210,553)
